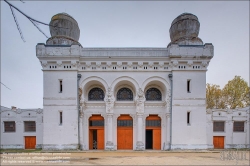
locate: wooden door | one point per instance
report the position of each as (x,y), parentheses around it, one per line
(125,132)
(153,122)
(100,139)
(218,142)
(124,138)
(30,142)
(157,139)
(90,139)
(96,131)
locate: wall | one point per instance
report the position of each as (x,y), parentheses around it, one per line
(56,135)
(232,139)
(15,140)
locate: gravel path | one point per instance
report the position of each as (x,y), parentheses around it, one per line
(127,158)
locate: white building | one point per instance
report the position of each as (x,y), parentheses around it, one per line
(228,128)
(21,128)
(128,98)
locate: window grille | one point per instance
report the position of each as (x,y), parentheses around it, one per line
(153,94)
(9,126)
(96,123)
(124,94)
(239,126)
(153,123)
(30,126)
(96,94)
(124,123)
(219,126)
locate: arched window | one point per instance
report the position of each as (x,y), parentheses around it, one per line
(153,94)
(96,94)
(124,94)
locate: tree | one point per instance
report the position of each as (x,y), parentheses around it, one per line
(214,97)
(236,93)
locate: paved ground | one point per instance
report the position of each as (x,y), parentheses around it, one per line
(128,158)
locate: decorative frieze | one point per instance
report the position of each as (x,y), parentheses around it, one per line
(109,100)
(140,101)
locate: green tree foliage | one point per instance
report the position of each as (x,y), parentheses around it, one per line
(214,97)
(235,94)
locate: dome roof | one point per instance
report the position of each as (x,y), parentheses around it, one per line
(185,30)
(64,29)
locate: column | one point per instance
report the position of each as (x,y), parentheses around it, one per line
(139,144)
(109,143)
(81,131)
(167,145)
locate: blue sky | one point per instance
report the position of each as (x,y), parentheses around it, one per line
(225,24)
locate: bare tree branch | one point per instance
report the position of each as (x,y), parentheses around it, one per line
(18,27)
(5,86)
(34,21)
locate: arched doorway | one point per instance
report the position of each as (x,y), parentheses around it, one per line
(96,132)
(153,132)
(124,132)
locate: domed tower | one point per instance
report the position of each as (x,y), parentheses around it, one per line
(64,30)
(184,30)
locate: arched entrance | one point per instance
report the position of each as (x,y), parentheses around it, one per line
(124,132)
(153,132)
(96,132)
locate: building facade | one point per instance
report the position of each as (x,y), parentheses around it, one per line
(122,98)
(128,98)
(21,128)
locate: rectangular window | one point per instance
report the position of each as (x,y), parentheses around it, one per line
(188,86)
(60,118)
(125,123)
(29,126)
(219,126)
(188,118)
(153,123)
(61,87)
(9,126)
(96,123)
(239,126)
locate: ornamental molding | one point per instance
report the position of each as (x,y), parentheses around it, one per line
(140,101)
(161,63)
(204,63)
(191,105)
(130,64)
(109,100)
(74,63)
(187,98)
(98,64)
(150,64)
(109,63)
(119,64)
(59,63)
(175,63)
(44,63)
(124,52)
(189,63)
(140,63)
(59,104)
(59,98)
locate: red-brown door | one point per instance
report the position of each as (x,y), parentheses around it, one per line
(157,139)
(90,139)
(96,132)
(30,142)
(125,133)
(218,142)
(154,123)
(100,139)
